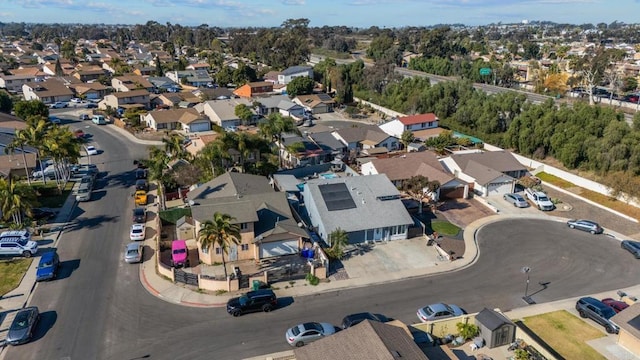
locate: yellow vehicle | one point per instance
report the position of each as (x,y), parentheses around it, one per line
(141,197)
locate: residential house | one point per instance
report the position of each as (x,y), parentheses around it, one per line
(13,83)
(293,72)
(88,74)
(49,91)
(254,88)
(368,340)
(297,151)
(218,93)
(197,142)
(366,137)
(163,84)
(50,68)
(89,91)
(316,103)
(629,323)
(329,144)
(411,123)
(142,70)
(199,66)
(195,78)
(187,120)
(368,208)
(222,112)
(131,82)
(490,172)
(291,109)
(137,98)
(269,104)
(267,226)
(403,167)
(14,164)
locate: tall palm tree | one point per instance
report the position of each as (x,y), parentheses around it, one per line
(338,240)
(173,145)
(18,142)
(15,199)
(275,126)
(63,148)
(34,135)
(221,232)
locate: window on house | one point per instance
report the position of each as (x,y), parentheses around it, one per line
(244,226)
(370,234)
(424,125)
(218,250)
(244,247)
(205,250)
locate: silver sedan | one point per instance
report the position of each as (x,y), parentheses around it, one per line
(308,332)
(133,253)
(516,199)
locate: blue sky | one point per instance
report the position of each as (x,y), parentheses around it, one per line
(357,13)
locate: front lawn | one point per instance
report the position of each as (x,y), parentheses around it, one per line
(444,228)
(49,196)
(566,334)
(11,273)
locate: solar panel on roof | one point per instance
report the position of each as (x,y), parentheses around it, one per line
(336,196)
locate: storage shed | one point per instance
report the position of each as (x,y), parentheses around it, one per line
(185,228)
(495,328)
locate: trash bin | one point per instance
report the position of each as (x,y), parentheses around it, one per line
(256,285)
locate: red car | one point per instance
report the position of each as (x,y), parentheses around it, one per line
(616,305)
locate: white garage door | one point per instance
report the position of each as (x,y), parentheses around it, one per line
(499,188)
(278,248)
(202,126)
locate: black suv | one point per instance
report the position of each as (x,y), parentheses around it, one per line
(597,311)
(253,301)
(353,319)
(141,174)
(142,184)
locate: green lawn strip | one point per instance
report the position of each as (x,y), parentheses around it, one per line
(566,334)
(11,273)
(173,215)
(604,200)
(444,228)
(49,194)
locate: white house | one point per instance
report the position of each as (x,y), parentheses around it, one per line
(411,123)
(293,72)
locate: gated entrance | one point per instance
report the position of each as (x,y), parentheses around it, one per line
(185,277)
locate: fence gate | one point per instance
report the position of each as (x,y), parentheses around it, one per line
(185,277)
(243,281)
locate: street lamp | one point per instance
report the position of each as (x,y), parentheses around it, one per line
(526,270)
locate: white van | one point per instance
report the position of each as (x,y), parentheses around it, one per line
(99,120)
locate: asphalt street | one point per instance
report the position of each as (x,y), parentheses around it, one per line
(99,310)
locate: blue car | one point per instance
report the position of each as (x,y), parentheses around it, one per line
(48,266)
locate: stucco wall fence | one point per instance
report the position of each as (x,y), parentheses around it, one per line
(379,108)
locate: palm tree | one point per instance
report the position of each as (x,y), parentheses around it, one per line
(407,138)
(18,142)
(221,232)
(63,148)
(275,126)
(338,240)
(34,135)
(15,200)
(173,145)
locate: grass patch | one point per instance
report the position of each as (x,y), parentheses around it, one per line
(566,334)
(11,273)
(444,228)
(171,216)
(49,196)
(331,53)
(604,200)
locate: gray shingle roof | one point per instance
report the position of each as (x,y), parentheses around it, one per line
(492,319)
(296,69)
(230,184)
(327,141)
(368,340)
(369,212)
(502,161)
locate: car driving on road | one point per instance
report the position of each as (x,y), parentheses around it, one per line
(302,334)
(585,225)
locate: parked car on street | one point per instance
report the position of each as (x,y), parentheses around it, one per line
(597,311)
(616,305)
(516,200)
(16,243)
(58,105)
(133,252)
(439,311)
(253,301)
(48,266)
(585,225)
(139,216)
(91,150)
(302,334)
(55,120)
(23,325)
(632,247)
(141,184)
(141,174)
(354,319)
(137,232)
(84,117)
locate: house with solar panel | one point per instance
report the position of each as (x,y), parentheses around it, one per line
(368,208)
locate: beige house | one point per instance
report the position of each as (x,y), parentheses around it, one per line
(130,82)
(267,227)
(14,164)
(187,120)
(116,100)
(629,323)
(48,92)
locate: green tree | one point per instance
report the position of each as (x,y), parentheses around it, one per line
(275,126)
(16,199)
(407,138)
(18,142)
(420,187)
(221,232)
(301,85)
(35,134)
(6,104)
(24,109)
(244,113)
(338,240)
(159,69)
(58,68)
(173,145)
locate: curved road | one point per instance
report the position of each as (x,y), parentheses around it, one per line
(99,310)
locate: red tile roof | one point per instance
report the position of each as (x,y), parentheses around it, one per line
(418,119)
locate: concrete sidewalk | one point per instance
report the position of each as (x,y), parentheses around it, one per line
(131,137)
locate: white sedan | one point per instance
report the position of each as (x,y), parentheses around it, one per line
(137,232)
(91,150)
